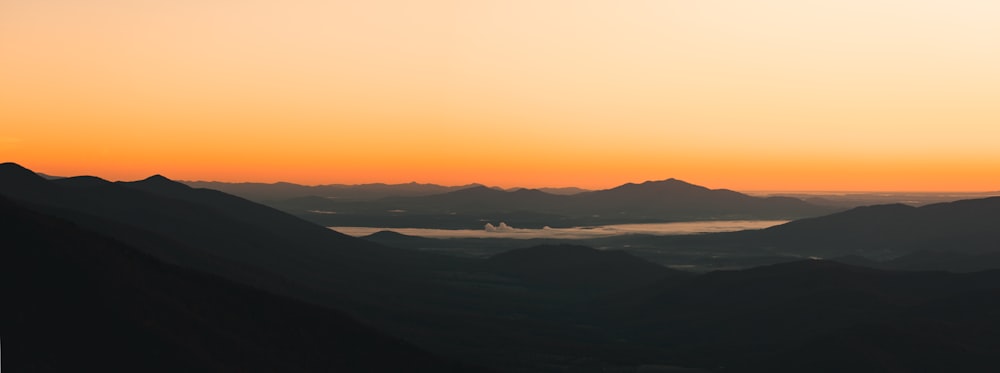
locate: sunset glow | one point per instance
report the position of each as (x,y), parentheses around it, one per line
(763,95)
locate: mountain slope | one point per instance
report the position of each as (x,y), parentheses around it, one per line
(215,223)
(888,231)
(765,317)
(439,303)
(75,300)
(579,268)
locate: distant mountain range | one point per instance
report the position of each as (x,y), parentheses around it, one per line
(156,275)
(652,201)
(265,192)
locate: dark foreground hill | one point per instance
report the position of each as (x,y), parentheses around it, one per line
(819,315)
(216,232)
(579,268)
(443,304)
(77,301)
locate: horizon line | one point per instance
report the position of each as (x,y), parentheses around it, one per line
(767,191)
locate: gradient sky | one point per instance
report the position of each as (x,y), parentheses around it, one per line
(747,95)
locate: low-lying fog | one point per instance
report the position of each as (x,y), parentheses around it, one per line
(502,230)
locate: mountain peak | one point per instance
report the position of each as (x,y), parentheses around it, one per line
(529,192)
(81,181)
(21,183)
(476,190)
(671,181)
(159,181)
(157,178)
(388,234)
(670,184)
(15,174)
(10,169)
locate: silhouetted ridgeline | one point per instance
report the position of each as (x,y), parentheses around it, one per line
(442,303)
(166,274)
(263,192)
(77,301)
(652,201)
(961,235)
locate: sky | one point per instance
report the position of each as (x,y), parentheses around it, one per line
(900,95)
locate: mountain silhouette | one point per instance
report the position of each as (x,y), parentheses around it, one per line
(78,301)
(652,201)
(229,284)
(245,242)
(889,231)
(281,191)
(956,236)
(21,181)
(683,198)
(264,192)
(406,293)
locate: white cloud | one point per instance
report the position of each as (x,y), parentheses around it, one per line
(503,227)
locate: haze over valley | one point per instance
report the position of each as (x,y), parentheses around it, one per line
(568,305)
(500,186)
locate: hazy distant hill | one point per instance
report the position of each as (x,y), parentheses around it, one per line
(265,192)
(262,192)
(674,197)
(857,199)
(565,191)
(78,301)
(653,201)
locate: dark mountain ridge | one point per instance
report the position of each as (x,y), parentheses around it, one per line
(242,241)
(957,236)
(785,317)
(441,303)
(889,231)
(75,300)
(262,192)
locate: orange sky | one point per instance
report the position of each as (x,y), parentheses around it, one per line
(748,95)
